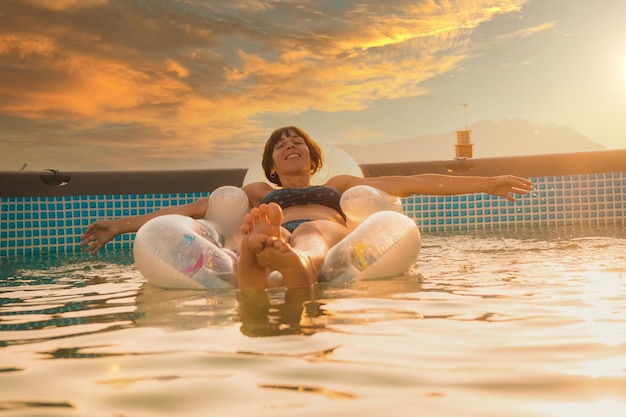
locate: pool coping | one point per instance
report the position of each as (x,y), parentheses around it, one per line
(63,183)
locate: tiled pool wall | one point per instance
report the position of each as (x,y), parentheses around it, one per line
(585,200)
(31,225)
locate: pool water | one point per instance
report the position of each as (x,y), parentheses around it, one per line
(510,323)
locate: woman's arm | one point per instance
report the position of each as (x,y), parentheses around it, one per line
(437,184)
(100,232)
(256,191)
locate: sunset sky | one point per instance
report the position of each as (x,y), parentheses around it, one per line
(187,84)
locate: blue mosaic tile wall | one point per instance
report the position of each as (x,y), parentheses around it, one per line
(54,224)
(586,200)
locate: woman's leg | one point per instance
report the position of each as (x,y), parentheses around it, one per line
(316,238)
(301,257)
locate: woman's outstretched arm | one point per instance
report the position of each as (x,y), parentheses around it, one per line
(100,232)
(506,186)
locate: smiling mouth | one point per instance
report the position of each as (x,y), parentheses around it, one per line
(292,156)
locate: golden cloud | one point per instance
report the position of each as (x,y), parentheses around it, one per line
(206,77)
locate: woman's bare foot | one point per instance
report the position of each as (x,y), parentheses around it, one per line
(273,251)
(262,224)
(259,228)
(296,266)
(263,235)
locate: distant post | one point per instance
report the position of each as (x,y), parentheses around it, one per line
(464,146)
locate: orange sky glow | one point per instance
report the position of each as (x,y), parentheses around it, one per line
(127,84)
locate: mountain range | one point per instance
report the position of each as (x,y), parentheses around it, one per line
(505,137)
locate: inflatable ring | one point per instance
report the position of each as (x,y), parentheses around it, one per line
(174,251)
(385,245)
(383,241)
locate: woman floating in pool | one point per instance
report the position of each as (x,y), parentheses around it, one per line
(291,229)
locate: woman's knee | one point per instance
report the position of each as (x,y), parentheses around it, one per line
(331,232)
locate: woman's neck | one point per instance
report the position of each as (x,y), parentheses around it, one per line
(296,182)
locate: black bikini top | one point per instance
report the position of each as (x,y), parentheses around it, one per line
(316,194)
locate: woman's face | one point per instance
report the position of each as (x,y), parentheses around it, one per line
(291,154)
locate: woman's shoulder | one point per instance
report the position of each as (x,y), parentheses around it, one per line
(342,182)
(256,191)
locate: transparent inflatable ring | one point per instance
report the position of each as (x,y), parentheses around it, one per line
(178,252)
(174,251)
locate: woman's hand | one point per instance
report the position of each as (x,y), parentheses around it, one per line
(508,185)
(98,234)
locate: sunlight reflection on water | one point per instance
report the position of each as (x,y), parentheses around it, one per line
(515,324)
